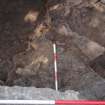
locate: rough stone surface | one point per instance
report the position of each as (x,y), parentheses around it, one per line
(42,94)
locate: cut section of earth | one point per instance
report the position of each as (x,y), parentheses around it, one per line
(26,38)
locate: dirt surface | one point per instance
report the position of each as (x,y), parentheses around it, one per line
(29,28)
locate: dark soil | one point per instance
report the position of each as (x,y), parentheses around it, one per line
(26,55)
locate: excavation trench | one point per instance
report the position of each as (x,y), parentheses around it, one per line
(26,58)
